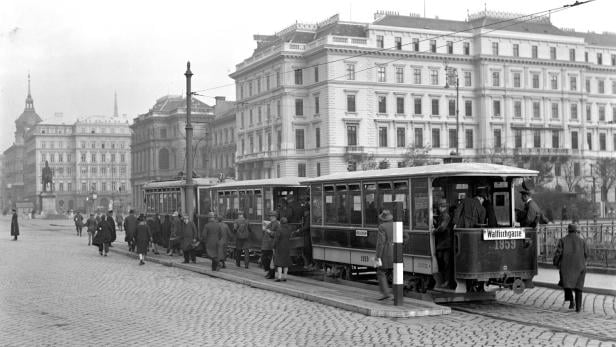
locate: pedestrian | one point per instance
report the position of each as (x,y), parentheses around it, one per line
(267,243)
(98,218)
(211,234)
(384,251)
(282,250)
(304,230)
(112,225)
(130,227)
(102,239)
(488,206)
(78,219)
(165,231)
(570,258)
(188,236)
(155,227)
(175,229)
(120,222)
(91,224)
(470,212)
(222,243)
(142,237)
(242,233)
(531,216)
(443,238)
(14,225)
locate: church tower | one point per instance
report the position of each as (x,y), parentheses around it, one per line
(27,119)
(115,105)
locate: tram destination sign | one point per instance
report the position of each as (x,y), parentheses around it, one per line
(503,234)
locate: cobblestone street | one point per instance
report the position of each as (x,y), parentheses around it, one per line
(58,291)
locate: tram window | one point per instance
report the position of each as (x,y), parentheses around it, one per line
(243,201)
(258,197)
(385,196)
(233,204)
(221,203)
(269,198)
(205,204)
(160,202)
(371,212)
(331,215)
(342,204)
(354,204)
(400,208)
(420,206)
(250,206)
(317,204)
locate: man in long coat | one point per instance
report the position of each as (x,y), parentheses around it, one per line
(14,225)
(175,229)
(282,250)
(267,244)
(443,238)
(78,223)
(142,237)
(91,224)
(188,235)
(102,239)
(572,251)
(385,251)
(130,227)
(112,226)
(242,233)
(469,213)
(222,244)
(531,216)
(211,234)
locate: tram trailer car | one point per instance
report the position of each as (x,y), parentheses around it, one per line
(344,220)
(168,196)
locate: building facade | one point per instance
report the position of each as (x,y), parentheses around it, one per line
(90,161)
(159,142)
(221,156)
(319,98)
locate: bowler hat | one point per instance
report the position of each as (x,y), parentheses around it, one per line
(572,228)
(211,215)
(386,216)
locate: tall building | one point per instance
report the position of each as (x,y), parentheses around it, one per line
(320,98)
(221,156)
(159,142)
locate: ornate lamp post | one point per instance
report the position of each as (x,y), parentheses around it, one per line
(189,132)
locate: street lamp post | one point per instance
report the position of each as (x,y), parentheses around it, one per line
(452,78)
(189,132)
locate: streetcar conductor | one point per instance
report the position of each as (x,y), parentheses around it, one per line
(531,215)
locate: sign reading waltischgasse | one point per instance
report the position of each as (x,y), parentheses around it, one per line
(503,234)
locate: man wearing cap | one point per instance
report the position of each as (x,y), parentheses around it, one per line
(571,255)
(267,244)
(211,234)
(531,215)
(443,243)
(14,225)
(130,227)
(188,238)
(384,251)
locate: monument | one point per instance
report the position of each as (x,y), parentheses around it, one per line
(47,198)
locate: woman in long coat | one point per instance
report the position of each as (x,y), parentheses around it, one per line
(384,251)
(102,239)
(222,243)
(211,235)
(165,231)
(572,253)
(14,226)
(143,236)
(282,250)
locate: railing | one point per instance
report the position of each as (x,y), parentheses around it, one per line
(564,151)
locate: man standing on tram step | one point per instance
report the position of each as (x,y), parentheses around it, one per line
(78,223)
(142,238)
(189,237)
(112,226)
(267,244)
(443,240)
(175,229)
(531,216)
(222,244)
(91,224)
(571,254)
(490,220)
(14,225)
(130,227)
(211,235)
(469,213)
(384,251)
(242,233)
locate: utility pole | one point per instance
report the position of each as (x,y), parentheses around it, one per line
(189,163)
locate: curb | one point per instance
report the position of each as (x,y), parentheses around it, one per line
(389,312)
(599,291)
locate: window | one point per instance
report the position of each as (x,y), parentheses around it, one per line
(400,105)
(398,41)
(555,139)
(382,136)
(251,117)
(517,80)
(316,73)
(299,138)
(599,59)
(517,109)
(277,78)
(301,170)
(602,143)
(495,79)
(260,144)
(92,158)
(351,103)
(588,113)
(601,86)
(352,135)
(517,134)
(494,48)
(269,143)
(433,46)
(467,78)
(84,187)
(601,113)
(535,53)
(469,138)
(576,169)
(318,169)
(436,138)
(497,138)
(83,157)
(69,157)
(613,87)
(400,137)
(419,137)
(382,103)
(557,169)
(299,77)
(613,59)
(258,85)
(316,106)
(453,138)
(587,85)
(573,83)
(380,41)
(589,140)
(258,120)
(417,103)
(537,138)
(572,54)
(268,111)
(553,53)
(555,110)
(350,72)
(267,82)
(381,76)
(468,108)
(435,107)
(452,107)
(574,111)
(416,45)
(554,81)
(399,74)
(299,107)
(434,77)
(317,137)
(574,140)
(536,109)
(496,111)
(467,48)
(535,80)
(417,76)
(516,50)
(449,47)
(250,88)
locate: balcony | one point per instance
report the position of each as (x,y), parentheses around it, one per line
(355,149)
(542,151)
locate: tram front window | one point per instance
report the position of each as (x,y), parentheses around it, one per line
(371,212)
(317,200)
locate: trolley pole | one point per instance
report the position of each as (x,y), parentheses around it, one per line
(398,265)
(189,132)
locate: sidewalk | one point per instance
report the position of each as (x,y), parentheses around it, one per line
(594,283)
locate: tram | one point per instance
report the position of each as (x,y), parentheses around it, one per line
(165,197)
(344,220)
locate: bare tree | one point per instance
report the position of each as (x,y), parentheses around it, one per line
(418,156)
(568,172)
(605,169)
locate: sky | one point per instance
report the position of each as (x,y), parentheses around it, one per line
(79,53)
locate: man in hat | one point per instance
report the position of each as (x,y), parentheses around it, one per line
(384,251)
(174,233)
(91,224)
(470,212)
(78,222)
(571,255)
(130,227)
(531,215)
(188,238)
(141,237)
(14,225)
(211,234)
(490,220)
(267,244)
(112,225)
(443,238)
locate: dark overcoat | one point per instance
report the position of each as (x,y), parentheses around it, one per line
(156,229)
(211,235)
(385,245)
(78,220)
(531,215)
(188,233)
(166,230)
(469,213)
(224,237)
(573,252)
(282,246)
(130,227)
(267,241)
(14,225)
(443,232)
(103,232)
(142,237)
(112,225)
(91,224)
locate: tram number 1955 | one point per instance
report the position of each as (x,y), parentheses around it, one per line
(504,244)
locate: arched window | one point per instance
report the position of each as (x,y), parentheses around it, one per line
(163,159)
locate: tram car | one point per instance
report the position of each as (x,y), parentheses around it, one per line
(344,220)
(165,197)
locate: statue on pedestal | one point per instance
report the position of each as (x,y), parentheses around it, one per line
(47,177)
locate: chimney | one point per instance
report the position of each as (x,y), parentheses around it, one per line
(219,99)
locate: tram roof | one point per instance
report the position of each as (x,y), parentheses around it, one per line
(440,170)
(199,181)
(289,181)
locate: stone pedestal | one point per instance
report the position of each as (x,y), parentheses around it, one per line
(48,204)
